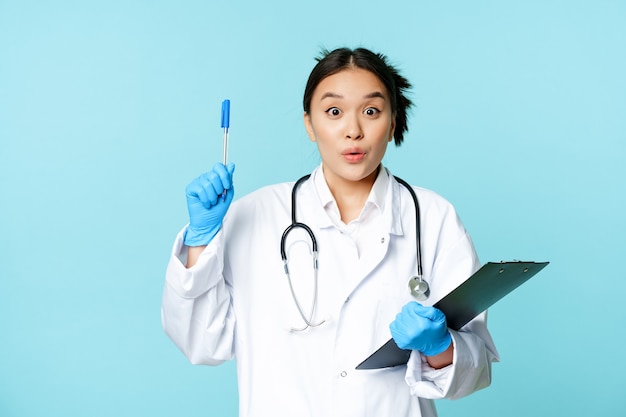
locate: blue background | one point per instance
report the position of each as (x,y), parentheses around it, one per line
(109,108)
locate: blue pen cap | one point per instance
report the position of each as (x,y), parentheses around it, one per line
(226,114)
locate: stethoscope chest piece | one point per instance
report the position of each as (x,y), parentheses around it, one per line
(419,288)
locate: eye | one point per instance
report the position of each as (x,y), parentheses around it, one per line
(371,111)
(333,111)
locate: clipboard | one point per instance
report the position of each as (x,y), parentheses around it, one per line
(484,288)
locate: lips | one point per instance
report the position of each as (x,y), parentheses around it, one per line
(353,155)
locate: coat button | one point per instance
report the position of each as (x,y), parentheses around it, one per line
(344,374)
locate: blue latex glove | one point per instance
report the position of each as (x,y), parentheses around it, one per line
(421,328)
(206,205)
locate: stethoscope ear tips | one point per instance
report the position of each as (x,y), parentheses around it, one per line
(419,288)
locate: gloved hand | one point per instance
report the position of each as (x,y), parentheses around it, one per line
(206,205)
(421,328)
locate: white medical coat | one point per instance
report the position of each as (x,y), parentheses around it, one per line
(236,303)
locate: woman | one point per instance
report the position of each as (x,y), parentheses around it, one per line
(297,337)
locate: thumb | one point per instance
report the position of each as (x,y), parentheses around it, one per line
(230,194)
(230,168)
(433,314)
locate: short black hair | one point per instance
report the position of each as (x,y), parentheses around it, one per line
(332,62)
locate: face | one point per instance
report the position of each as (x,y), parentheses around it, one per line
(351,120)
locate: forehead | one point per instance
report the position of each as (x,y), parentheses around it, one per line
(351,82)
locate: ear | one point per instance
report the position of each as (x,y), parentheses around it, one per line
(309,127)
(393,127)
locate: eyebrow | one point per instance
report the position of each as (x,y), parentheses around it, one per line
(375,94)
(330,95)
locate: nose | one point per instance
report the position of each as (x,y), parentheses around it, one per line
(353,129)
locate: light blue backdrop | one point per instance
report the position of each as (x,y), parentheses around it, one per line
(109,108)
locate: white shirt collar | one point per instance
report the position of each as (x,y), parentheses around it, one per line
(375,200)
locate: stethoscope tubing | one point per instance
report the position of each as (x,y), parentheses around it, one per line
(295,225)
(418,226)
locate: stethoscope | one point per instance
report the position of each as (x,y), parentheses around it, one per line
(418,287)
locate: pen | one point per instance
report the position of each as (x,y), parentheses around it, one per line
(225,126)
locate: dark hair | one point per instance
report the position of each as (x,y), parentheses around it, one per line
(329,63)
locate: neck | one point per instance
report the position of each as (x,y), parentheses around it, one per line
(351,195)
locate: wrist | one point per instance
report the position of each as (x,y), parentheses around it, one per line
(443,359)
(193,254)
(438,347)
(200,236)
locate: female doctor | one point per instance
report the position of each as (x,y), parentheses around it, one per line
(298,319)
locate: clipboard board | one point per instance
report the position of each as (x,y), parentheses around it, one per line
(484,288)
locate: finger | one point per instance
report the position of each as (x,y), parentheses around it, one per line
(208,196)
(397,327)
(393,328)
(207,192)
(195,188)
(216,181)
(224,175)
(408,321)
(431,313)
(412,308)
(230,193)
(414,322)
(231,169)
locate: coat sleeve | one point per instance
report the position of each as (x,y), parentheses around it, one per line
(474,349)
(196,310)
